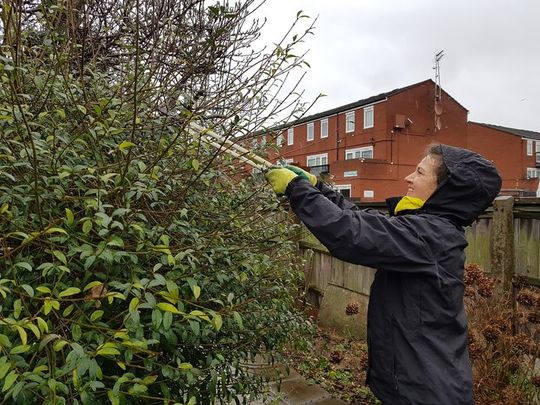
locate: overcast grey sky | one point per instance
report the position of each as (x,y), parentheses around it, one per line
(364,47)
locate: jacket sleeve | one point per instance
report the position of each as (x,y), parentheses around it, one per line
(364,237)
(336,197)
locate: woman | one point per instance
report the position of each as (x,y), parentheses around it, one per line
(417,328)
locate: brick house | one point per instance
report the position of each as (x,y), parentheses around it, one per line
(366,148)
(515,152)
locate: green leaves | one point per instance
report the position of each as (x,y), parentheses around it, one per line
(69,292)
(9,380)
(69,217)
(87,226)
(126,145)
(96,315)
(165,306)
(55,230)
(108,349)
(123,234)
(4,341)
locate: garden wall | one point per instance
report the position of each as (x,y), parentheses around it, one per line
(505,241)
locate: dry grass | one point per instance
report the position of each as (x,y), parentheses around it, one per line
(502,353)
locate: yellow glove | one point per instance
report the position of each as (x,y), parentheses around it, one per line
(302,173)
(279,179)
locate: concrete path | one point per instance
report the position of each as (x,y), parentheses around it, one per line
(293,390)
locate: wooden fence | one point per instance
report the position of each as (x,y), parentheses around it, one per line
(505,241)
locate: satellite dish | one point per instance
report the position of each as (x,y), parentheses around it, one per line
(438,109)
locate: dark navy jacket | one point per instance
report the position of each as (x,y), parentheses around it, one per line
(417,328)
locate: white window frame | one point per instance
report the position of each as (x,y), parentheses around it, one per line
(350,154)
(324,128)
(537,147)
(310,131)
(341,187)
(280,140)
(321,159)
(529,147)
(369,117)
(533,173)
(290,136)
(369,192)
(349,121)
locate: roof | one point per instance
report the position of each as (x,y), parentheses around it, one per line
(514,131)
(353,105)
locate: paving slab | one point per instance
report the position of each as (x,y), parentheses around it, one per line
(297,391)
(288,387)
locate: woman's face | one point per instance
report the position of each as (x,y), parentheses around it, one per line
(423,181)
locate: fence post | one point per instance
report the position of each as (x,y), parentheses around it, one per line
(502,241)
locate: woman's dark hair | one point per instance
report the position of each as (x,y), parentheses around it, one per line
(441,171)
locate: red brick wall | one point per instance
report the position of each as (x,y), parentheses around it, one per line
(398,150)
(508,152)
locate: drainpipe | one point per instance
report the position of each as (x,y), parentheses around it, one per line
(337,137)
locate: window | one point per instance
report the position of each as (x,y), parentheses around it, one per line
(279,140)
(359,153)
(290,136)
(324,128)
(368,117)
(317,160)
(532,173)
(369,194)
(344,189)
(310,131)
(529,147)
(349,121)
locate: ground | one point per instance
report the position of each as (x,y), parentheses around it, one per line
(336,363)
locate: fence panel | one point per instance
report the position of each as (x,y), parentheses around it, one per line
(527,246)
(480,235)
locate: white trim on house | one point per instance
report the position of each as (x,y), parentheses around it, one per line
(324,134)
(359,153)
(369,110)
(341,187)
(533,173)
(310,130)
(320,159)
(369,194)
(350,121)
(290,136)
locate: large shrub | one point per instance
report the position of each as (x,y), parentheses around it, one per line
(136,265)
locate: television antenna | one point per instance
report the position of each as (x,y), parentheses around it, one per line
(438,90)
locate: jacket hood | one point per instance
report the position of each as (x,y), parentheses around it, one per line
(472,184)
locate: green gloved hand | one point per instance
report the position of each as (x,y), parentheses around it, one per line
(302,173)
(279,179)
